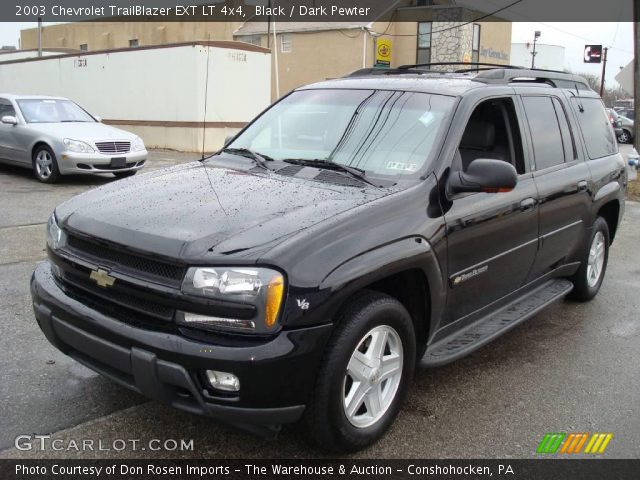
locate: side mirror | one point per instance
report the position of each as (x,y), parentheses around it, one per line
(227,140)
(484,175)
(98,119)
(9,120)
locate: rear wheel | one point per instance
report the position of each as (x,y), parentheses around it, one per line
(130,173)
(624,137)
(364,376)
(45,164)
(588,279)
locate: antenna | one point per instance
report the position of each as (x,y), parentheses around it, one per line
(206,93)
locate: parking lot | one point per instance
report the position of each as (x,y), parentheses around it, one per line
(572,368)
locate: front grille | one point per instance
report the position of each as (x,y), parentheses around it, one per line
(105,297)
(113,147)
(154,270)
(133,314)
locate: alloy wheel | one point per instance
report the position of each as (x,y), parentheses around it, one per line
(44,164)
(373,376)
(595,262)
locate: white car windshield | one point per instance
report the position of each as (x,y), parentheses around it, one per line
(52,111)
(385,133)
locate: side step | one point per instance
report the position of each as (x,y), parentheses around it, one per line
(495,324)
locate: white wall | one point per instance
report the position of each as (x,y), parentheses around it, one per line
(549,57)
(155,85)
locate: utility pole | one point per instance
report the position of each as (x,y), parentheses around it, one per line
(39,36)
(636,70)
(604,68)
(536,35)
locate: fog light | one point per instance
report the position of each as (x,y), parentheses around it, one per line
(227,382)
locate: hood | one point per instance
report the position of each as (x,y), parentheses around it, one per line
(83,131)
(185,211)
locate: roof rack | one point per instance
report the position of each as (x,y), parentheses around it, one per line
(489,73)
(554,78)
(445,64)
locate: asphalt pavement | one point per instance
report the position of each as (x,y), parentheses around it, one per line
(572,368)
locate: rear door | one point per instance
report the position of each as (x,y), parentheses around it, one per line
(562,179)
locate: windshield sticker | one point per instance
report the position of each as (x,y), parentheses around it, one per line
(402,166)
(427,118)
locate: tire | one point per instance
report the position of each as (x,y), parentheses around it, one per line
(45,164)
(624,137)
(589,277)
(120,175)
(370,320)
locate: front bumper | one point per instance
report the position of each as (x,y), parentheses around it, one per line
(276,376)
(71,162)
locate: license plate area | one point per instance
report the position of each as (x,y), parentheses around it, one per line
(118,162)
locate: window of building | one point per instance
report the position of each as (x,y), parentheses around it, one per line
(475,48)
(548,149)
(252,39)
(84,47)
(285,43)
(424,3)
(424,42)
(596,129)
(134,42)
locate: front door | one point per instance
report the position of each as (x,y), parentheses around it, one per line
(492,237)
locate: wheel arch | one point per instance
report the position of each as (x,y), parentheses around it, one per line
(610,211)
(406,270)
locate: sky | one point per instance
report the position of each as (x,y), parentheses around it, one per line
(572,35)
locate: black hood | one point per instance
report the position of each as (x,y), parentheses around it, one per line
(185,211)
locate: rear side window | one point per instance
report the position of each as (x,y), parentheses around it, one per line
(596,130)
(548,148)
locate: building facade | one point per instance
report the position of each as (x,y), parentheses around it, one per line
(305,52)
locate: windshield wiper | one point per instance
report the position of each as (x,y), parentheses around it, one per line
(329,165)
(260,159)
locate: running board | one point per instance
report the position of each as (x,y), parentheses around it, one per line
(486,329)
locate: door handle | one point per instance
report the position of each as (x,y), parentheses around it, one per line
(582,186)
(527,204)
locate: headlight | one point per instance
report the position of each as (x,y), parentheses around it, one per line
(138,144)
(77,146)
(56,237)
(261,287)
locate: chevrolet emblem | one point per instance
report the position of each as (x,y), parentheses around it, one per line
(102,278)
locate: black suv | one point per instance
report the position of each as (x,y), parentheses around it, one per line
(355,229)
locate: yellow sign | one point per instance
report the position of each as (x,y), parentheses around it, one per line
(383,52)
(466,58)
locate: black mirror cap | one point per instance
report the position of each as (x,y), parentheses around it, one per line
(484,175)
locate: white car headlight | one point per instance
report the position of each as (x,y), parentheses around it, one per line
(261,287)
(138,144)
(77,146)
(56,238)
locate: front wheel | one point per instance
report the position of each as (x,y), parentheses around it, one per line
(589,277)
(45,165)
(364,375)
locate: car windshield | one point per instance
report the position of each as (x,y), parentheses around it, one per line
(52,111)
(385,133)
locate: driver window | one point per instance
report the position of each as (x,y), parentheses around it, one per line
(491,132)
(6,108)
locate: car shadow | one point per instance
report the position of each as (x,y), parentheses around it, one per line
(27,173)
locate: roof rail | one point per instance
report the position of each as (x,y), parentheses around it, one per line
(465,64)
(552,77)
